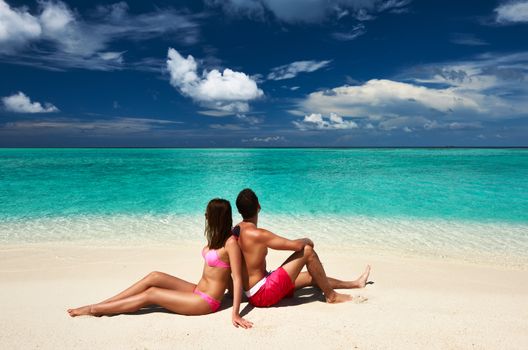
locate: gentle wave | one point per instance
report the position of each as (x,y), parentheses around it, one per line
(495,243)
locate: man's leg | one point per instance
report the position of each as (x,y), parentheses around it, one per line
(304,279)
(307,257)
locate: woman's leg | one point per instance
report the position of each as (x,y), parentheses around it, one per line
(304,279)
(154,279)
(184,303)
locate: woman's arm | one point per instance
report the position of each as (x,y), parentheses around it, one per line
(235,260)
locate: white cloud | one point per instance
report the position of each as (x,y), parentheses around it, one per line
(352,34)
(264,139)
(291,70)
(497,82)
(318,121)
(341,13)
(20,103)
(94,127)
(467,39)
(17,27)
(393,5)
(55,16)
(512,12)
(227,86)
(215,113)
(442,96)
(401,122)
(484,72)
(312,11)
(378,97)
(249,119)
(226,91)
(413,123)
(57,37)
(112,56)
(231,127)
(431,125)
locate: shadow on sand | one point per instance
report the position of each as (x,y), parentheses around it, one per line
(302,296)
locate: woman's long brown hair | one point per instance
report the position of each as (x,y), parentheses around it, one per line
(218,223)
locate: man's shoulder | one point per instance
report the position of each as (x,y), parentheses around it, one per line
(251,231)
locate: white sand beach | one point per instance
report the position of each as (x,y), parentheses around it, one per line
(414,303)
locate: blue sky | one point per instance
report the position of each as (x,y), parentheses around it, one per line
(263,73)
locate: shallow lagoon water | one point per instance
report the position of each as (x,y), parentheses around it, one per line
(433,201)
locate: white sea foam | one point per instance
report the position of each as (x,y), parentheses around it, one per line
(501,243)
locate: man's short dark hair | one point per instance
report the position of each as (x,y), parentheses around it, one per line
(247,203)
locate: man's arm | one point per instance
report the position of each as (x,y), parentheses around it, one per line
(277,242)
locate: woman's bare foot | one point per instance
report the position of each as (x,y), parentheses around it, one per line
(80,311)
(336,298)
(362,280)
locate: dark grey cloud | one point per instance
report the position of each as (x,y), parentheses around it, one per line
(313,11)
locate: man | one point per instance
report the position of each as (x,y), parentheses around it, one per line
(263,289)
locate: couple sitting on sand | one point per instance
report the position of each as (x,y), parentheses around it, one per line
(240,253)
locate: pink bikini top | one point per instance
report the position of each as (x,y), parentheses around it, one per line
(212,259)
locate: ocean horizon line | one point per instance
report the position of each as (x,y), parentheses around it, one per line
(273,147)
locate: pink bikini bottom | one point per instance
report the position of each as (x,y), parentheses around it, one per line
(213,303)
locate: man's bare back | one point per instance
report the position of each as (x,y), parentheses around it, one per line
(254,252)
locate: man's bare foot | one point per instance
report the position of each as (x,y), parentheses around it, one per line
(362,280)
(336,298)
(80,311)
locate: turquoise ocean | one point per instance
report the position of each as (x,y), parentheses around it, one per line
(462,203)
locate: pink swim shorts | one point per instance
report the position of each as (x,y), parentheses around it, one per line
(276,286)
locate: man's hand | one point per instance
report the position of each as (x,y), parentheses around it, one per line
(239,321)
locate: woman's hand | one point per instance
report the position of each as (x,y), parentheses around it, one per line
(239,321)
(235,261)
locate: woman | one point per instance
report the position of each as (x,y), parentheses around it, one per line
(222,259)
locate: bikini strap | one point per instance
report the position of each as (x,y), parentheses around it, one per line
(235,231)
